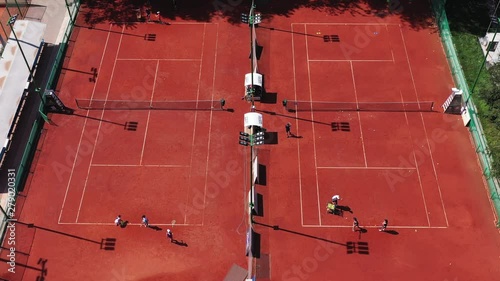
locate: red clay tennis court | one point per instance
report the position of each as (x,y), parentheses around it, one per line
(185,170)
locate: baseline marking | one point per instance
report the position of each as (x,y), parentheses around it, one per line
(425,130)
(297,126)
(359,114)
(134,165)
(170,23)
(376,226)
(312,118)
(99,127)
(366,168)
(344,23)
(138,224)
(149,112)
(83,129)
(353,60)
(130,59)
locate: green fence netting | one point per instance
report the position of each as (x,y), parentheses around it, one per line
(35,131)
(28,154)
(475,127)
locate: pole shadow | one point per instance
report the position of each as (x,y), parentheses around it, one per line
(99,119)
(296,118)
(110,31)
(31,225)
(43,269)
(277,227)
(289,31)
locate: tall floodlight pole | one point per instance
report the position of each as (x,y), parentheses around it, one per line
(488,50)
(18,8)
(496,19)
(251,19)
(251,138)
(11,21)
(252,26)
(7,9)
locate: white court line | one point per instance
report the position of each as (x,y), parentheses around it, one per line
(134,165)
(390,45)
(83,129)
(195,117)
(149,112)
(99,127)
(343,23)
(313,131)
(377,226)
(130,59)
(133,224)
(297,128)
(210,127)
(413,151)
(367,168)
(425,130)
(353,60)
(192,23)
(169,23)
(359,115)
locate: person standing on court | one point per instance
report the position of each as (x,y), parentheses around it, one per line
(384,225)
(170,236)
(119,221)
(145,221)
(335,199)
(355,224)
(288,128)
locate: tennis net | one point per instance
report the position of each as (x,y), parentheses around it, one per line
(95,104)
(421,106)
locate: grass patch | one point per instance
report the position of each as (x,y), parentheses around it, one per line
(471,58)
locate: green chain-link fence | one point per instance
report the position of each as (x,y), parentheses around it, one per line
(28,154)
(35,131)
(475,127)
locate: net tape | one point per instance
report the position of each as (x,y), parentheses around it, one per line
(93,104)
(422,106)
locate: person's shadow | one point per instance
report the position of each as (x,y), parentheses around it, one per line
(180,243)
(154,227)
(292,135)
(345,209)
(123,224)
